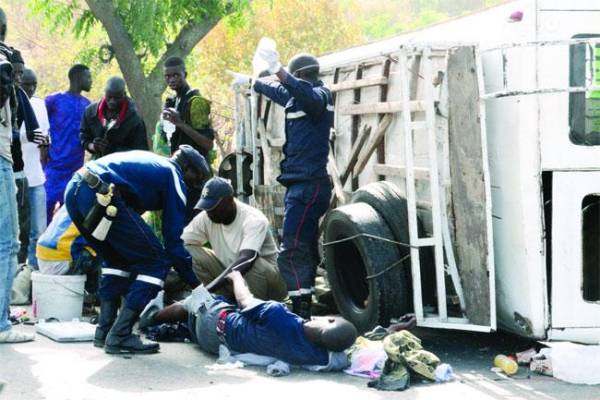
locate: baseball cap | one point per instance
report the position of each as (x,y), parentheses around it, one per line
(214,190)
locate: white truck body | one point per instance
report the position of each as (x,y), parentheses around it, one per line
(539,181)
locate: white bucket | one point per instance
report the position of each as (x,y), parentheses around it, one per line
(57,296)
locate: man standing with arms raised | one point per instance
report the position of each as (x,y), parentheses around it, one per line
(308,122)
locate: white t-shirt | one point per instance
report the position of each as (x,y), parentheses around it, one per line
(31,153)
(248,231)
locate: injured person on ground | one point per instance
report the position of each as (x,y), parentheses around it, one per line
(259,327)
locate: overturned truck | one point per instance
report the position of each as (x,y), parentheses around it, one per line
(465,164)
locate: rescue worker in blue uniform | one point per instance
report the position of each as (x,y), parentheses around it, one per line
(136,262)
(309,119)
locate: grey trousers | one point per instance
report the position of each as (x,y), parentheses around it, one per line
(263,279)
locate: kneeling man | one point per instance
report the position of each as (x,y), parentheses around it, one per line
(239,236)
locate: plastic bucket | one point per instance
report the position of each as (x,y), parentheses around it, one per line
(57,296)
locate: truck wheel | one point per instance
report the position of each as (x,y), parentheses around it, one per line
(368,284)
(387,199)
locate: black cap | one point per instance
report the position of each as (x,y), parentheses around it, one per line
(214,190)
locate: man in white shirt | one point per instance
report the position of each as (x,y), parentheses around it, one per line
(239,236)
(33,166)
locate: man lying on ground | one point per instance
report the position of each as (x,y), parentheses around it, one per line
(260,327)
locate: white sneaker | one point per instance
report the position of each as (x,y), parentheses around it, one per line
(14,336)
(154,306)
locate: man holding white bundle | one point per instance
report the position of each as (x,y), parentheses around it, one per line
(309,118)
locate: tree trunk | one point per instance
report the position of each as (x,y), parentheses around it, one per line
(146,91)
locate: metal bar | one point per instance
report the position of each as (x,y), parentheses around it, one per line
(410,186)
(434,187)
(239,145)
(256,164)
(542,43)
(507,93)
(425,242)
(488,193)
(453,323)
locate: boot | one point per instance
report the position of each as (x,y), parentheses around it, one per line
(108,314)
(120,340)
(301,306)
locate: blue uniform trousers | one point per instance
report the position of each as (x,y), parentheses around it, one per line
(135,262)
(305,203)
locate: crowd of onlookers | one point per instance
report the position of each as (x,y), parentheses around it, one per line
(43,142)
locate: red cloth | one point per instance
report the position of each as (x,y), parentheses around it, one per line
(122,111)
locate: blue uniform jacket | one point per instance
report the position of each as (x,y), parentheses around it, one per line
(147,182)
(309,119)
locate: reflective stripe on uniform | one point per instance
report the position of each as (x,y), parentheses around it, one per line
(300,114)
(116,272)
(300,292)
(178,188)
(295,115)
(150,279)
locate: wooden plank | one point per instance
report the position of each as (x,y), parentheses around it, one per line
(358,145)
(360,83)
(468,183)
(400,171)
(388,107)
(338,186)
(364,156)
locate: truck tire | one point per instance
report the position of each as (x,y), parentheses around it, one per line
(388,200)
(364,302)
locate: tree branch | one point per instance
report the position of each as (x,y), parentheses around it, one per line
(184,43)
(129,63)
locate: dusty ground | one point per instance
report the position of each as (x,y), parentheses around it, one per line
(44,369)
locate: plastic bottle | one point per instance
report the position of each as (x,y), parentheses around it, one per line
(258,65)
(506,364)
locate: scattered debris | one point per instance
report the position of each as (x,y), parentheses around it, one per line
(443,373)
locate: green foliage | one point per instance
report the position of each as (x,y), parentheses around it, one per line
(151,24)
(315,26)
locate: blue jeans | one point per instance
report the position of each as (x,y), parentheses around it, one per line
(37,205)
(9,242)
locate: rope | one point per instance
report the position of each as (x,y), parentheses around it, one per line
(368,235)
(383,239)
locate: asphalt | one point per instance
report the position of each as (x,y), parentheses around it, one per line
(44,369)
